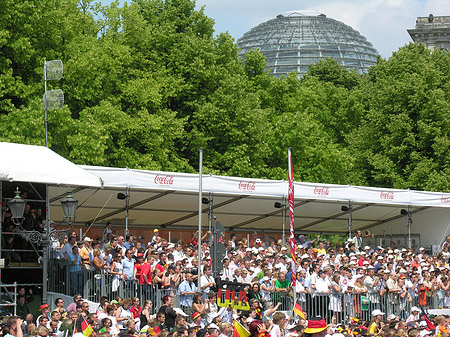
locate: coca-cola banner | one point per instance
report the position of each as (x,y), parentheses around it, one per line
(321,191)
(154,181)
(381,196)
(259,187)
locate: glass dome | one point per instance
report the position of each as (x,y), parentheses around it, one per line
(294,40)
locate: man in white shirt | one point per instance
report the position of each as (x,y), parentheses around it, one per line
(206,282)
(178,253)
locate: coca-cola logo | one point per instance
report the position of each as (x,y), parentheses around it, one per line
(387,195)
(246,186)
(164,180)
(321,190)
(445,200)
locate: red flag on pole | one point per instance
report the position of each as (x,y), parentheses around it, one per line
(291,217)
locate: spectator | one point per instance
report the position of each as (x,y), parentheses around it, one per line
(186,291)
(117,271)
(22,307)
(123,314)
(168,312)
(144,317)
(207,282)
(75,270)
(84,253)
(279,322)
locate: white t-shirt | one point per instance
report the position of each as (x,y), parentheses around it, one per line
(275,331)
(205,280)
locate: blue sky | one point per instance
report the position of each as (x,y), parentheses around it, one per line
(382,22)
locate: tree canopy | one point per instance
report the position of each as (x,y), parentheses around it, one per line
(148,83)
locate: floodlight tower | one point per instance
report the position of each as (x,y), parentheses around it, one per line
(53,99)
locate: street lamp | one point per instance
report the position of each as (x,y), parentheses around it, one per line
(17,207)
(69,205)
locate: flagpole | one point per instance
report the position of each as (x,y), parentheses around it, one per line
(200,181)
(291,223)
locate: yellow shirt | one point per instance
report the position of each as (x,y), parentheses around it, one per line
(373,328)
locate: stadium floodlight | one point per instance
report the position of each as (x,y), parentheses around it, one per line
(53,70)
(53,99)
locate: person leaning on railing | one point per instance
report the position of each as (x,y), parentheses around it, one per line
(98,262)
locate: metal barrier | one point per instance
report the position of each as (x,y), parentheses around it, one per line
(93,286)
(360,305)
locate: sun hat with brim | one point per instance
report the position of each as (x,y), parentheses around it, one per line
(377,312)
(416,309)
(315,325)
(43,306)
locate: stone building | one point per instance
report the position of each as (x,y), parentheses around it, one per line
(434,31)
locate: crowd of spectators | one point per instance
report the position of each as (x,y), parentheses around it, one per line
(351,286)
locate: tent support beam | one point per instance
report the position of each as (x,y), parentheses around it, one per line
(266,215)
(123,209)
(380,222)
(171,222)
(331,217)
(63,195)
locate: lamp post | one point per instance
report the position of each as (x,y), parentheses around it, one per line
(17,206)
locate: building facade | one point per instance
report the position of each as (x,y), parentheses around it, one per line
(434,31)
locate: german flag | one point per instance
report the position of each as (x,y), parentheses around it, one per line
(240,330)
(154,331)
(298,310)
(86,328)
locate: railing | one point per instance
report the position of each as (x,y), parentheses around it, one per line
(92,286)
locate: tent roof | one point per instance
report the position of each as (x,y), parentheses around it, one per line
(38,164)
(170,200)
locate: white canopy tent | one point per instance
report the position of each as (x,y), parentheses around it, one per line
(38,164)
(170,200)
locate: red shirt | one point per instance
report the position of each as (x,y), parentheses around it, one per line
(136,312)
(146,270)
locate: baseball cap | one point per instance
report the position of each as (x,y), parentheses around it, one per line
(377,312)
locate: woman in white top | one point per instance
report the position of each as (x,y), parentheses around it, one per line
(123,313)
(279,322)
(300,286)
(267,289)
(114,328)
(117,271)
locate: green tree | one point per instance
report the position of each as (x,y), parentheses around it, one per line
(403,139)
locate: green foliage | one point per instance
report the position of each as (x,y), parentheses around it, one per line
(148,83)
